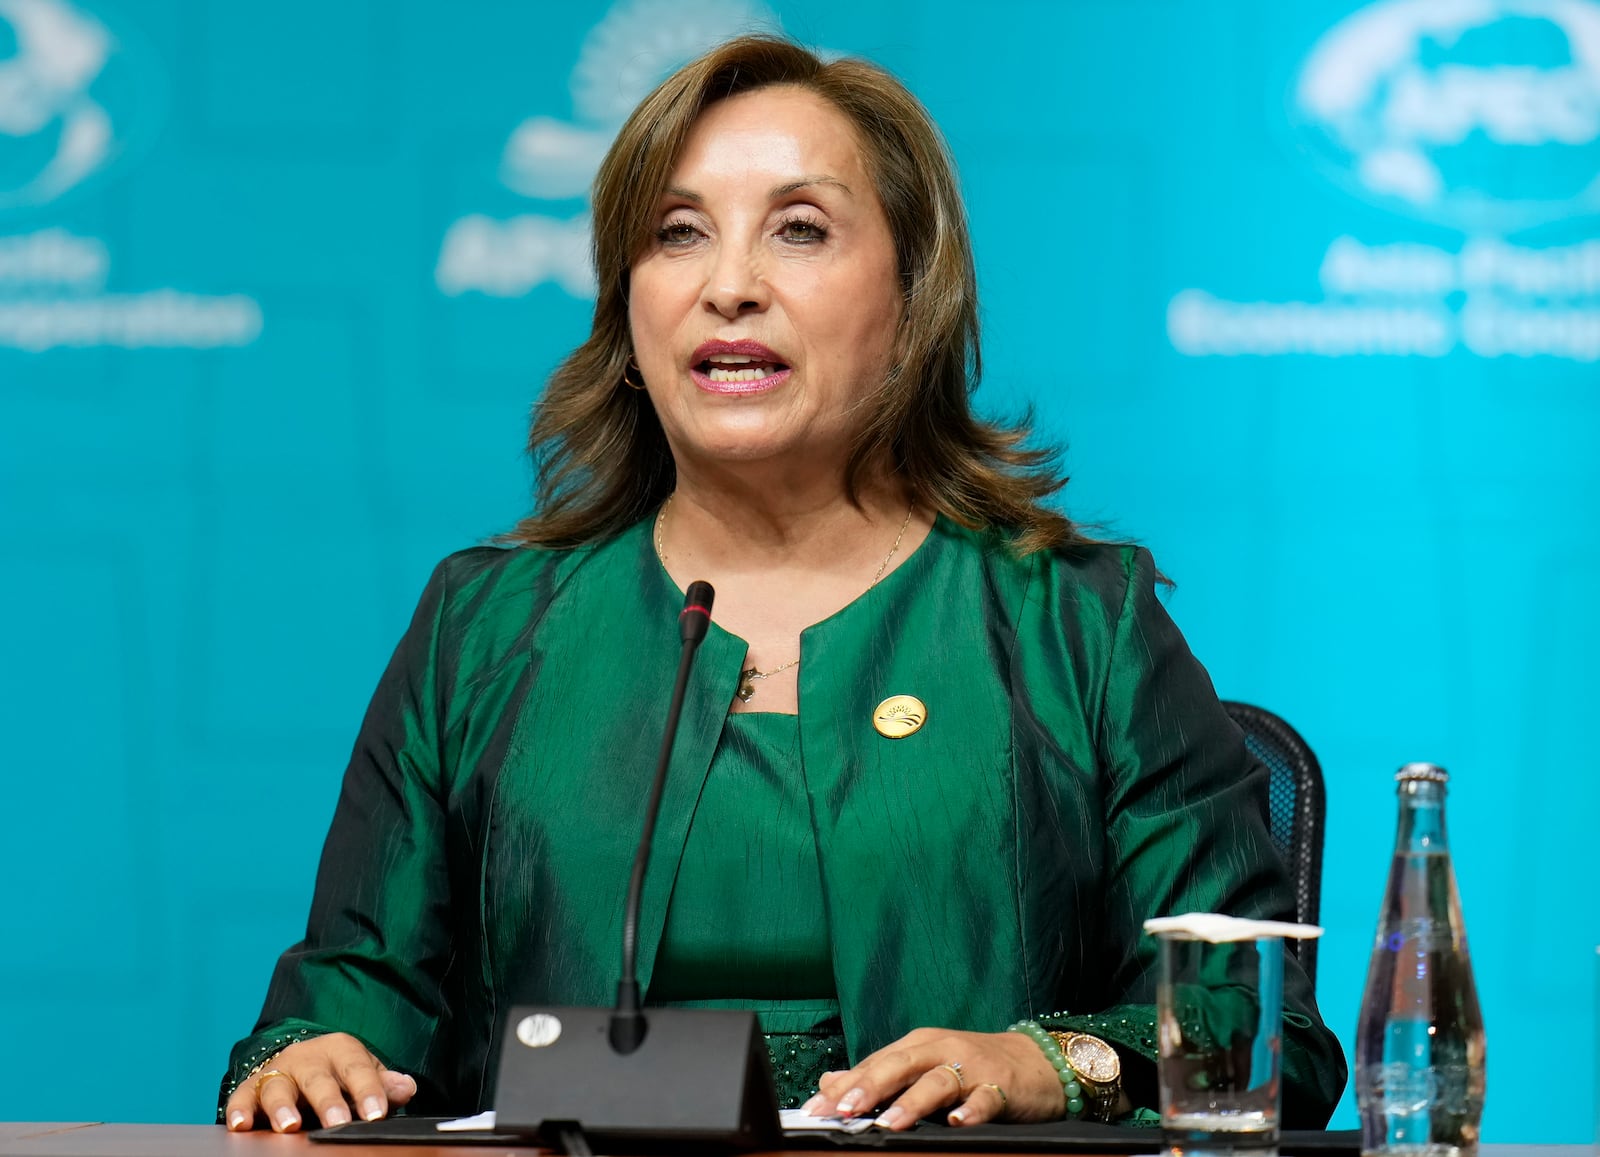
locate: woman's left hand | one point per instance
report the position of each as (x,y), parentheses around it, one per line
(1002,1076)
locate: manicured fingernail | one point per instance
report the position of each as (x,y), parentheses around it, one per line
(890,1117)
(237,1120)
(338,1115)
(286,1118)
(810,1107)
(848,1104)
(957,1116)
(372,1108)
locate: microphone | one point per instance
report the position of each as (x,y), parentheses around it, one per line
(627,1022)
(638,1082)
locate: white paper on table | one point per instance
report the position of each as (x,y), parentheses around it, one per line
(799,1119)
(482,1123)
(1220,929)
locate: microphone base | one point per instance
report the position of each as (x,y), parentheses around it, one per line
(699,1079)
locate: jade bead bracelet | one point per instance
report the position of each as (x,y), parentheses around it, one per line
(1071,1087)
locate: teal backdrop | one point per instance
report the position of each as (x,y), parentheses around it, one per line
(1310,290)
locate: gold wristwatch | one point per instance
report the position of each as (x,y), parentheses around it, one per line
(1099,1071)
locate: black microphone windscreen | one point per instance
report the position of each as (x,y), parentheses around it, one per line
(695,618)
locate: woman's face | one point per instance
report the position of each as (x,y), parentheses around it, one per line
(767,303)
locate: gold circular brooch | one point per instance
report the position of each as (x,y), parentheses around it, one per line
(899,716)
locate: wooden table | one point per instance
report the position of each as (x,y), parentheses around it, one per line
(110,1140)
(95,1139)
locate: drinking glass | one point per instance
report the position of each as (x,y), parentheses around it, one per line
(1219,1017)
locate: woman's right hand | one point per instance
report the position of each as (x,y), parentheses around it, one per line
(329,1074)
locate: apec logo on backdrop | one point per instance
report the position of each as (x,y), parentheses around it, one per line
(61,72)
(633,48)
(1479,115)
(53,133)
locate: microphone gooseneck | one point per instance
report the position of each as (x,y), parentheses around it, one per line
(627,1027)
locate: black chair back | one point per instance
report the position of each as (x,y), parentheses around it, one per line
(1296,805)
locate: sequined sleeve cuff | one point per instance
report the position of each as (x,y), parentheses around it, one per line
(1133,1026)
(255,1050)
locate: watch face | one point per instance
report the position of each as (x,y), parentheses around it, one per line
(1094,1059)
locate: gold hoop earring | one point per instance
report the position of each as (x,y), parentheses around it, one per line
(632,365)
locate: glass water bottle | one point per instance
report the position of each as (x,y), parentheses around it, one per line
(1419,1044)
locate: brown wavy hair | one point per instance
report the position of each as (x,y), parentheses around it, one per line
(602,461)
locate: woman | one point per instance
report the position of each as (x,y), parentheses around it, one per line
(941,754)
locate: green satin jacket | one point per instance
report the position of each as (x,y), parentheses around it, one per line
(1075,775)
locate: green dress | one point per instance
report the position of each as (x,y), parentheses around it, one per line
(1075,775)
(747,926)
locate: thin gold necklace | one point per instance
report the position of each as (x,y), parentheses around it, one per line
(748,677)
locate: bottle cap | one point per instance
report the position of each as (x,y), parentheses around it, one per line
(1431,772)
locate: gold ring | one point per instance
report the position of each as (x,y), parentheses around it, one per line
(955,1071)
(1004,1100)
(263,1078)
